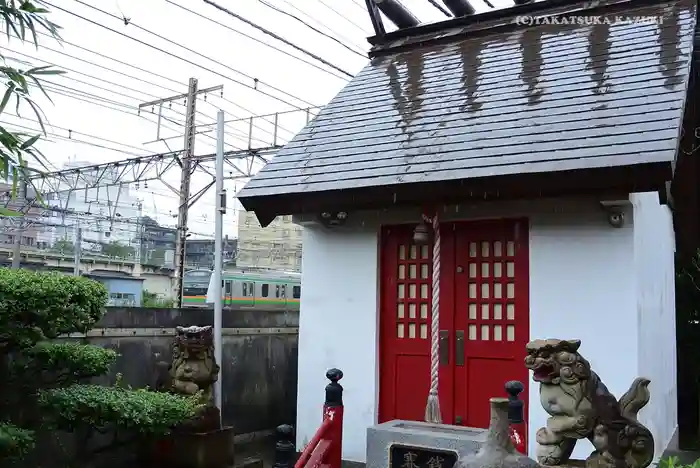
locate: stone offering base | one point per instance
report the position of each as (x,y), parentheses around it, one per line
(462,440)
(213,449)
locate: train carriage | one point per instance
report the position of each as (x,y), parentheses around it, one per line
(245,288)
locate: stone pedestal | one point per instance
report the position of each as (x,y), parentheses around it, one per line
(213,449)
(459,440)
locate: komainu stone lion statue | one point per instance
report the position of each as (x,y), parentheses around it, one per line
(581,406)
(194,367)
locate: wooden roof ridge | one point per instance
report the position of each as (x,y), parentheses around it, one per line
(492,21)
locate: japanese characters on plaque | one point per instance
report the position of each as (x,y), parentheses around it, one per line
(406,456)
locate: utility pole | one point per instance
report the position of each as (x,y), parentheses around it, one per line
(139,239)
(77,248)
(218,250)
(186,175)
(17,247)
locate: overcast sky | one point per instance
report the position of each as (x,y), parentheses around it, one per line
(227,54)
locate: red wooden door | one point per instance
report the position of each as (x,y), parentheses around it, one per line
(482,351)
(406,291)
(491,314)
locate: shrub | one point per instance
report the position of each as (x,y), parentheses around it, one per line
(63,362)
(142,411)
(39,306)
(14,442)
(46,376)
(674,462)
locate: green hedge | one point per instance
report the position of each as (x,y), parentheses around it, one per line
(143,411)
(72,361)
(38,306)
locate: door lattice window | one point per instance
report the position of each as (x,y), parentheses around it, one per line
(413,291)
(491,294)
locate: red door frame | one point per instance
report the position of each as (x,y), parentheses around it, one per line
(391,237)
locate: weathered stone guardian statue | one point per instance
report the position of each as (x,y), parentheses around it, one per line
(581,406)
(498,450)
(201,442)
(194,369)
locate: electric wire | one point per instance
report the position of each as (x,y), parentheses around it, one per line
(348,20)
(275,36)
(182,58)
(267,119)
(84,96)
(136,108)
(279,10)
(106,100)
(89,62)
(230,28)
(359,5)
(71,131)
(141,80)
(77,46)
(96,145)
(64,68)
(130,88)
(321,25)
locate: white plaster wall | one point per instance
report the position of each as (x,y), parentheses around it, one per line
(338,328)
(654,246)
(583,285)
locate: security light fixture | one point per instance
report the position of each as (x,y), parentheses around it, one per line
(333,219)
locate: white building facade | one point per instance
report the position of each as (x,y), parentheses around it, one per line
(547,153)
(612,288)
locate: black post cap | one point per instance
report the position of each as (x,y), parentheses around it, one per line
(334,391)
(285,449)
(334,375)
(515,404)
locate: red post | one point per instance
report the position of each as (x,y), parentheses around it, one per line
(518,426)
(333,410)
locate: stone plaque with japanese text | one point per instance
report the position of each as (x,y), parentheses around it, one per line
(407,456)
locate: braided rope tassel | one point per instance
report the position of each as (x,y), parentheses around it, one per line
(432,408)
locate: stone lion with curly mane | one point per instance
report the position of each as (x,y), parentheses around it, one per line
(580,406)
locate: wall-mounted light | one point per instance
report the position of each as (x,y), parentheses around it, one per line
(615,210)
(333,218)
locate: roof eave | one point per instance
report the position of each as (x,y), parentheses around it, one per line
(583,182)
(496,18)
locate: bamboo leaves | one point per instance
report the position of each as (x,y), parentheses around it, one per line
(21,20)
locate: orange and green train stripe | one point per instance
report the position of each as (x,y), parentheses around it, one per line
(200,300)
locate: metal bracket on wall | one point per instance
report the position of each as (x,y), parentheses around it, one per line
(169,332)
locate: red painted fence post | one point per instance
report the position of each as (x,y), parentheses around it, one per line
(333,410)
(518,426)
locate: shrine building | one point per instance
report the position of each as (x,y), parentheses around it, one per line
(541,157)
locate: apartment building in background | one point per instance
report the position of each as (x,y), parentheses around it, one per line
(30,234)
(199,253)
(277,246)
(107,212)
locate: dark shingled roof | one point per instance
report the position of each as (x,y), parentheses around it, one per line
(473,99)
